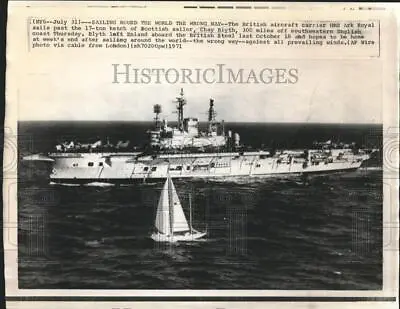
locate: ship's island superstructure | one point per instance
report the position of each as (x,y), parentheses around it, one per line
(185,151)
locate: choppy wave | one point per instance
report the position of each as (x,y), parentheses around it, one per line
(371,168)
(66,184)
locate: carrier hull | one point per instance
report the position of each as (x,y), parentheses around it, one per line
(127,181)
(129,168)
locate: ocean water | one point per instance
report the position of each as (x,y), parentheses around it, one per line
(266,233)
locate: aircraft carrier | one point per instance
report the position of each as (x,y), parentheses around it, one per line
(184,151)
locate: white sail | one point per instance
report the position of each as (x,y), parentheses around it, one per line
(179,220)
(170,218)
(162,216)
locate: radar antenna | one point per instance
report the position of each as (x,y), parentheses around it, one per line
(211,111)
(211,117)
(181,101)
(157,110)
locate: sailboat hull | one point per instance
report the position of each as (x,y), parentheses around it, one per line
(175,238)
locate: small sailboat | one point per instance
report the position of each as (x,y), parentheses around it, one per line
(171,224)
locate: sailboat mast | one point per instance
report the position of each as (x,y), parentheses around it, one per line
(170,207)
(190,212)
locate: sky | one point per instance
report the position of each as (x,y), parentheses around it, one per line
(327,91)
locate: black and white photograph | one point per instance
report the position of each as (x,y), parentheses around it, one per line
(201,203)
(135,161)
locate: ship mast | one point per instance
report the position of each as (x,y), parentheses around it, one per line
(157,111)
(190,213)
(181,102)
(211,116)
